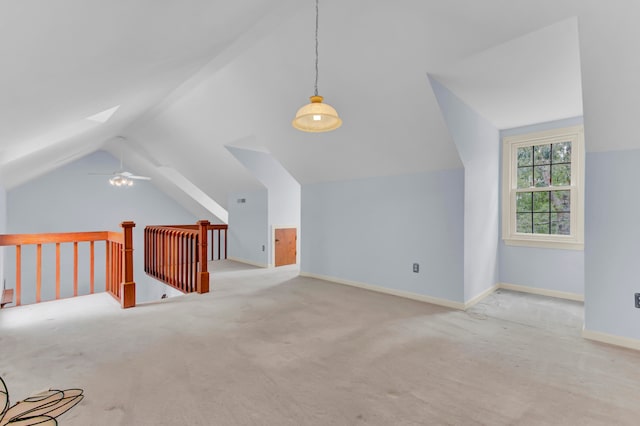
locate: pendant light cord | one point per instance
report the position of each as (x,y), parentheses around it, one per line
(316,85)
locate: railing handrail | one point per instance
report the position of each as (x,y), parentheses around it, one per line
(119,280)
(54,238)
(214,226)
(177,254)
(115,237)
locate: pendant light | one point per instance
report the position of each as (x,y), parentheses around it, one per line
(316,116)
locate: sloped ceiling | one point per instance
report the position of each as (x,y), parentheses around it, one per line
(507,84)
(196,75)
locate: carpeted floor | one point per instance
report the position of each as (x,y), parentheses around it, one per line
(266,347)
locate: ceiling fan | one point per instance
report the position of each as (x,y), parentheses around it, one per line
(122,177)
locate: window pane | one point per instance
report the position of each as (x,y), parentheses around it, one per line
(541,154)
(525,156)
(560,201)
(541,223)
(541,201)
(524,202)
(523,223)
(561,223)
(542,175)
(525,177)
(562,152)
(561,174)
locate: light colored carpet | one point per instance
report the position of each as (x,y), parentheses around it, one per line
(266,347)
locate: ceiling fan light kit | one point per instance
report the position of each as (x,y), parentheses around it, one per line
(120,181)
(122,178)
(316,116)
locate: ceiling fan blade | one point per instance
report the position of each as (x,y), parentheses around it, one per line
(139,177)
(101,174)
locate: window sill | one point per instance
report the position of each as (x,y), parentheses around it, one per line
(540,243)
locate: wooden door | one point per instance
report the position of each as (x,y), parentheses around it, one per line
(285,246)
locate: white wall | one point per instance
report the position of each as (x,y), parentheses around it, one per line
(477,142)
(248,227)
(612,242)
(372,231)
(283,191)
(542,268)
(69,199)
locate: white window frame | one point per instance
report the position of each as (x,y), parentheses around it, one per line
(510,145)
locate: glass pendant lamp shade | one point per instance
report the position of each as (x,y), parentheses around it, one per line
(316,117)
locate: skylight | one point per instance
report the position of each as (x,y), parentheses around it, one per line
(104,116)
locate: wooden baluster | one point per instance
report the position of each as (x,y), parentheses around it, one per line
(165,254)
(225,243)
(185,258)
(146,249)
(157,262)
(75,269)
(156,244)
(158,254)
(18,275)
(180,257)
(219,233)
(203,276)
(92,271)
(191,260)
(212,253)
(120,266)
(194,263)
(168,253)
(174,257)
(128,287)
(152,251)
(168,256)
(111,263)
(107,281)
(150,256)
(57,271)
(38,273)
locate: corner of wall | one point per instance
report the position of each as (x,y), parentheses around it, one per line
(477,142)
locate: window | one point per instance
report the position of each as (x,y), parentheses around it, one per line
(542,199)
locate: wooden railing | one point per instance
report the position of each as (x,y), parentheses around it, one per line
(173,253)
(118,261)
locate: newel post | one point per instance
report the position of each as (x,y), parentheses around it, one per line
(127,286)
(203,274)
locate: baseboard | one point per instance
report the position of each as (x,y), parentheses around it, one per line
(400,293)
(248,262)
(479,297)
(611,339)
(542,292)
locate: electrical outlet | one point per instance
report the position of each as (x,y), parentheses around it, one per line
(416,268)
(637,299)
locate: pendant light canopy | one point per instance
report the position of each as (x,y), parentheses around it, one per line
(316,116)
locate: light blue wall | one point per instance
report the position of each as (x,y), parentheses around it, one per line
(282,189)
(476,140)
(543,268)
(248,229)
(69,199)
(373,230)
(612,242)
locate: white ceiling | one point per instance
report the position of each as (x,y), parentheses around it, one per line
(541,68)
(196,75)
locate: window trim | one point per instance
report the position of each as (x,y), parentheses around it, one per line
(510,145)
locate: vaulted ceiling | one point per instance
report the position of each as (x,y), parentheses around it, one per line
(194,76)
